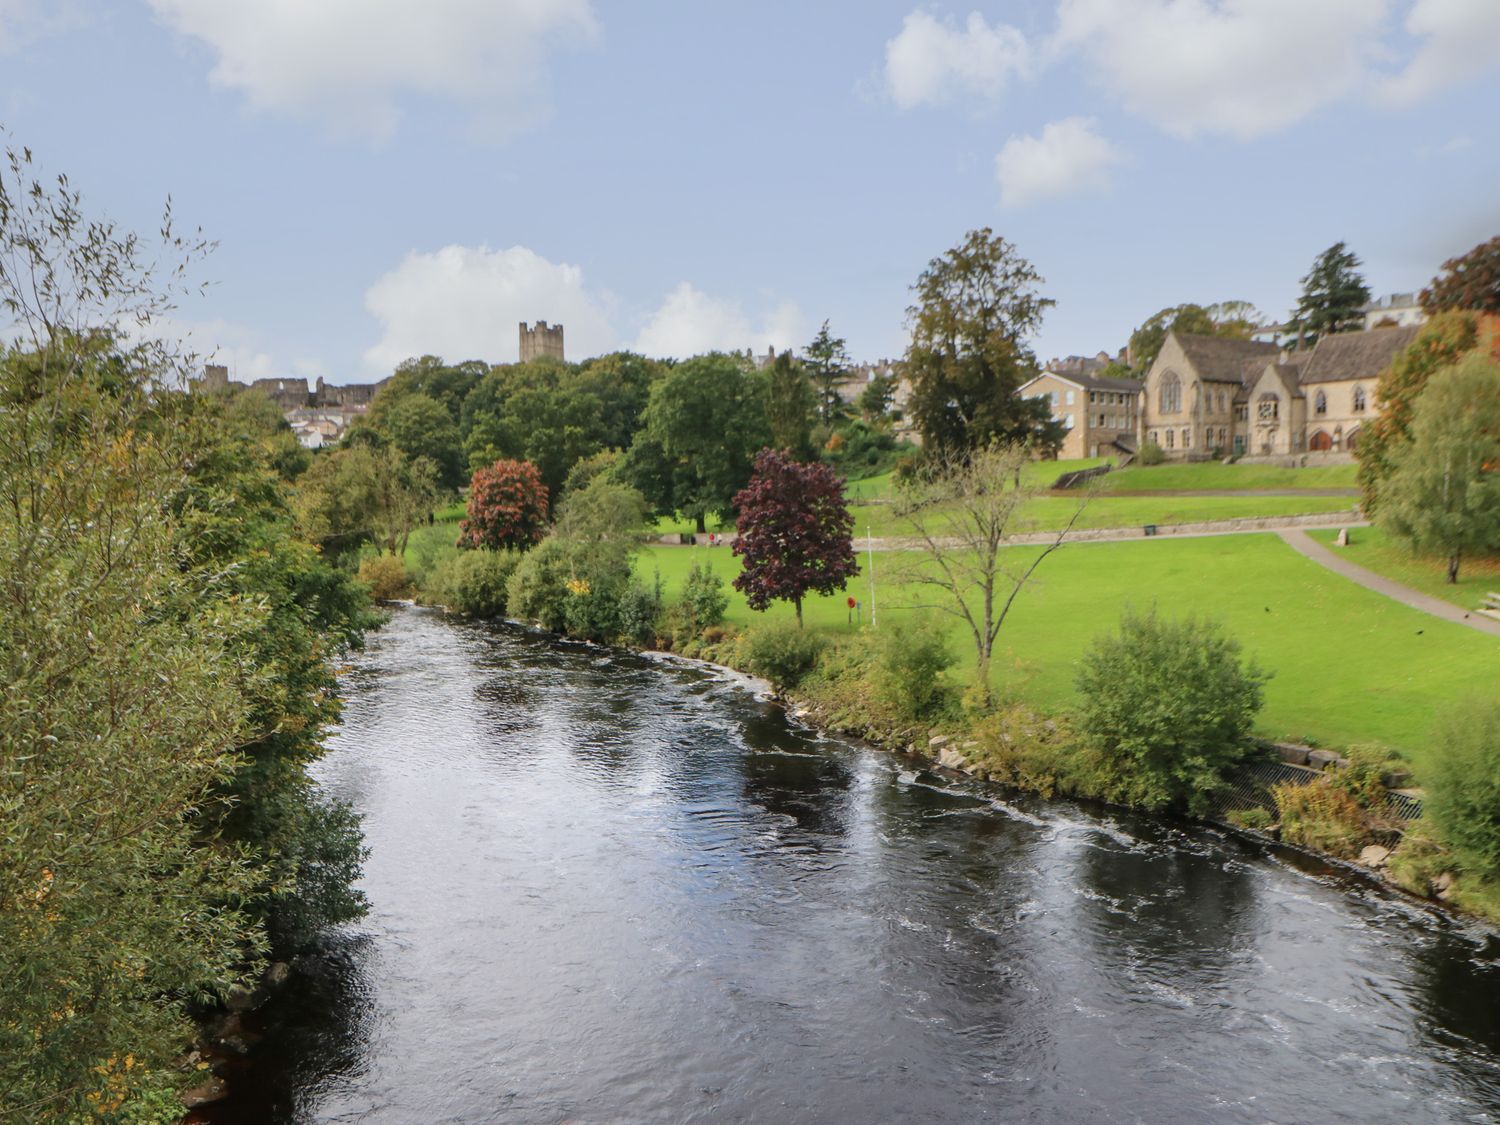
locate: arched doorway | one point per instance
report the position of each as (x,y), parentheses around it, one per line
(1320,442)
(1351,439)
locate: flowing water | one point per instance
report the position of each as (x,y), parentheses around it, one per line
(611,889)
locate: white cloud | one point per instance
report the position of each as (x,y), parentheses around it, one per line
(930,61)
(1069,158)
(464,302)
(1460,39)
(349,62)
(690,322)
(1241,67)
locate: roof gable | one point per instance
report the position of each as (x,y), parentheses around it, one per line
(1356,355)
(1218,359)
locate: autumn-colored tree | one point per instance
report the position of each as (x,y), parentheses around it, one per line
(795,532)
(507,507)
(1471,281)
(1442,342)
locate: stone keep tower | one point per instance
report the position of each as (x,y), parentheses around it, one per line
(541,341)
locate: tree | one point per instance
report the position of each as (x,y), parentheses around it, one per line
(421,427)
(507,507)
(827,364)
(365,492)
(543,412)
(1333,296)
(976,305)
(963,509)
(1443,494)
(603,511)
(1471,281)
(795,532)
(1170,706)
(429,376)
(1230,319)
(789,406)
(405,491)
(875,400)
(1442,343)
(696,448)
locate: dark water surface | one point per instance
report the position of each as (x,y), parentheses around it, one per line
(607,889)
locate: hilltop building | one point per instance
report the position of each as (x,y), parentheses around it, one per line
(318,415)
(1207,397)
(541,341)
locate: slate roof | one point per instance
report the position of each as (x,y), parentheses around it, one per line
(1220,360)
(1091,382)
(1355,355)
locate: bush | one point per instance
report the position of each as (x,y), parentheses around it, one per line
(1254,819)
(472,583)
(1169,706)
(1463,785)
(573,588)
(912,658)
(703,600)
(1150,454)
(640,611)
(386,576)
(782,652)
(1322,816)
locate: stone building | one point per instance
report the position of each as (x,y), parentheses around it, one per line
(1205,396)
(1099,411)
(541,341)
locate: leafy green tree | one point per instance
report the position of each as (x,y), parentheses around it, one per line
(976,306)
(875,400)
(603,512)
(1442,343)
(421,427)
(1463,785)
(1334,294)
(1471,281)
(1169,706)
(621,382)
(365,493)
(541,412)
(1230,319)
(827,364)
(1443,494)
(705,420)
(789,406)
(429,376)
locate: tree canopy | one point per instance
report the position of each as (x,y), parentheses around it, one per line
(794,532)
(790,402)
(1334,294)
(827,363)
(1232,319)
(1470,281)
(976,306)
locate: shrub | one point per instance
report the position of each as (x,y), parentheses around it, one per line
(782,652)
(507,507)
(1254,819)
(1169,706)
(386,576)
(573,588)
(1150,454)
(472,583)
(1463,785)
(1322,816)
(640,611)
(703,600)
(912,658)
(538,588)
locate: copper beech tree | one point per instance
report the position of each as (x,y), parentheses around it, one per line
(507,507)
(795,532)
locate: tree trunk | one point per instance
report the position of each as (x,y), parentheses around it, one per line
(797,601)
(1453,569)
(701,527)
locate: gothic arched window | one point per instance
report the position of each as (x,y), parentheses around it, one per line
(1320,404)
(1359,398)
(1171,393)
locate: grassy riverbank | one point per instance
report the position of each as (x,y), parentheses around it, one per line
(1373,549)
(1351,667)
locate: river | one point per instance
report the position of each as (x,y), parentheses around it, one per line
(607,888)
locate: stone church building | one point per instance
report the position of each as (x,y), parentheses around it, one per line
(1208,397)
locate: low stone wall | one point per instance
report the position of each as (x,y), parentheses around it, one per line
(1348,518)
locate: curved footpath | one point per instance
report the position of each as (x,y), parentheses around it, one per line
(1304,544)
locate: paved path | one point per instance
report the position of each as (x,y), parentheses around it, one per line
(1303,543)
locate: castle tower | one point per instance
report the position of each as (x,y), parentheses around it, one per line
(541,341)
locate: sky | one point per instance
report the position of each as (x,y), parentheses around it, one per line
(391,178)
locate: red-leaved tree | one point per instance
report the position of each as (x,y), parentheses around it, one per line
(507,507)
(795,532)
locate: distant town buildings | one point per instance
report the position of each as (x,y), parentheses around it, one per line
(1398,310)
(541,341)
(318,414)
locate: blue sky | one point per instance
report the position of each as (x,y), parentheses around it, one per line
(388,178)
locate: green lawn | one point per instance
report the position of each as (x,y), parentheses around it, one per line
(1351,667)
(1127,511)
(1372,549)
(1212,475)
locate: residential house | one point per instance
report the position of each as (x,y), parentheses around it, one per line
(1098,411)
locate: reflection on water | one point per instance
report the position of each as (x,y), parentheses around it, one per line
(611,889)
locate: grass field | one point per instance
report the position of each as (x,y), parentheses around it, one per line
(1047,512)
(1351,667)
(1372,549)
(1211,475)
